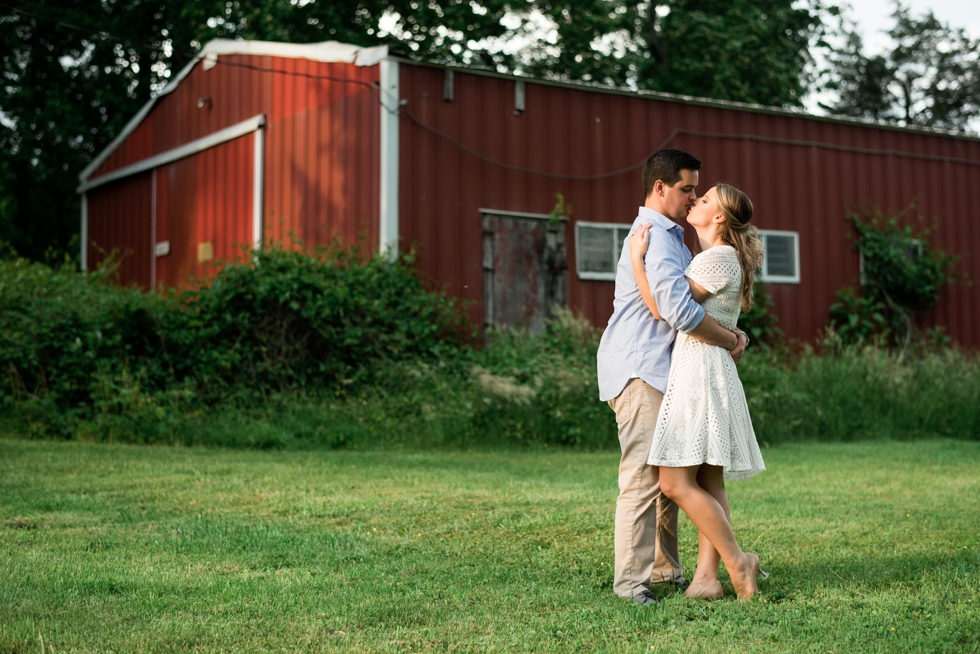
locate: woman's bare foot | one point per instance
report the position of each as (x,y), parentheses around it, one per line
(705,590)
(745,578)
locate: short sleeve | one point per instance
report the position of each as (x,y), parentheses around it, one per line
(715,268)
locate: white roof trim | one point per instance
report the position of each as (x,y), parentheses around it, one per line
(328,52)
(185,150)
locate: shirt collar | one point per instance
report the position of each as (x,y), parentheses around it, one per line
(648,214)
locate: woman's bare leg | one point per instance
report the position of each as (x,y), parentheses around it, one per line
(707,514)
(705,583)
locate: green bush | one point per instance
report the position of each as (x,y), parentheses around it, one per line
(291,321)
(62,334)
(325,351)
(903,275)
(73,346)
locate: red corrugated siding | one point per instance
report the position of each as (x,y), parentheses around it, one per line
(578,131)
(322,156)
(205,198)
(119,219)
(322,182)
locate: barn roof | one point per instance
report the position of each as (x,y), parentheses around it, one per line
(333,51)
(328,51)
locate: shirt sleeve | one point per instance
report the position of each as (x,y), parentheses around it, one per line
(669,287)
(714,269)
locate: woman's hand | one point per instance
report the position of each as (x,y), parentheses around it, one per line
(639,243)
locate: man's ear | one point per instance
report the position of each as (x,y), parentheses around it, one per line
(660,188)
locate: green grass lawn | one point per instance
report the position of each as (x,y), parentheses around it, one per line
(872,547)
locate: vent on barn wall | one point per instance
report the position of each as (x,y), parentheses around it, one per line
(448,81)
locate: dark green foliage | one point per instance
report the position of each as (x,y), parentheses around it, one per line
(899,260)
(903,275)
(290,321)
(326,351)
(858,318)
(761,322)
(75,348)
(742,50)
(60,332)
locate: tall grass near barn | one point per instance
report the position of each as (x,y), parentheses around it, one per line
(293,350)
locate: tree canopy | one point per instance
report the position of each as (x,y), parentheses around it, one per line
(930,76)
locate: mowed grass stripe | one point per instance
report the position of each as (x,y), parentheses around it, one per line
(873,547)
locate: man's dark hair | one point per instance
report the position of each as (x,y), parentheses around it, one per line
(666,165)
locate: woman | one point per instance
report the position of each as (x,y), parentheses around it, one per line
(703,433)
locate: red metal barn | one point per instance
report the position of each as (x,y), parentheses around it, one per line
(255,141)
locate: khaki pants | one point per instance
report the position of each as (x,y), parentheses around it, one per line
(646,519)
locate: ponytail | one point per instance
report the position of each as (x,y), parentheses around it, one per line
(738,233)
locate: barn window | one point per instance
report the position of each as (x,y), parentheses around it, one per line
(597,249)
(781,263)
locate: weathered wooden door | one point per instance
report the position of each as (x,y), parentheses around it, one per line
(524,269)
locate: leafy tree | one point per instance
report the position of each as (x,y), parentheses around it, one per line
(743,50)
(929,77)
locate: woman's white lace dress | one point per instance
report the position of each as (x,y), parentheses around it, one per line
(704,417)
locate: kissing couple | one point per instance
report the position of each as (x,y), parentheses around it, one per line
(666,366)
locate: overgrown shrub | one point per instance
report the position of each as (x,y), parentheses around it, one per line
(285,321)
(62,334)
(290,321)
(903,274)
(239,365)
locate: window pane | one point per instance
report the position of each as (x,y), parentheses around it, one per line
(621,234)
(780,253)
(595,249)
(780,256)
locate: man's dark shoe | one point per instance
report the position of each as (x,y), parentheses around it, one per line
(645,597)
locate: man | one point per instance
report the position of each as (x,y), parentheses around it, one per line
(633,365)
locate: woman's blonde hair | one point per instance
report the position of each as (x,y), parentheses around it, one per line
(736,206)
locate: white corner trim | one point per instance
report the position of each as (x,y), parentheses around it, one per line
(83,258)
(209,141)
(388,227)
(153,230)
(258,189)
(327,52)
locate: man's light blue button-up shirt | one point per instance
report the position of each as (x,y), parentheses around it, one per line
(635,344)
